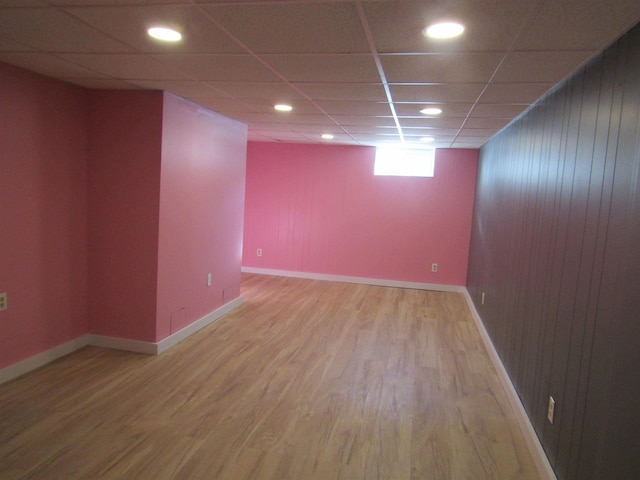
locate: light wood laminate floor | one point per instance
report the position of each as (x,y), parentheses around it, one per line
(307,380)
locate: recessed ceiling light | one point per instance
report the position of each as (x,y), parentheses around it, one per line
(443,30)
(431,111)
(327,136)
(165,34)
(283,108)
(427,139)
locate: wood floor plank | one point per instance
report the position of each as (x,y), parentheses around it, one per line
(306,380)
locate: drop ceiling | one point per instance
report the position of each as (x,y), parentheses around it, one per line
(360,70)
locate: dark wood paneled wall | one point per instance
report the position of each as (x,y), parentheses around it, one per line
(555,250)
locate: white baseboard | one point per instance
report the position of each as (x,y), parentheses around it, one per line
(41,359)
(535,447)
(361,280)
(118,343)
(192,328)
(156,348)
(137,346)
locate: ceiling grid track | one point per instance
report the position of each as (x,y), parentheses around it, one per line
(383,77)
(534,8)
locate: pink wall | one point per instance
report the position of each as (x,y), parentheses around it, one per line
(43,264)
(320,209)
(125,132)
(115,206)
(201,213)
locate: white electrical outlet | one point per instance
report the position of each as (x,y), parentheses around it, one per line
(209,280)
(434,267)
(3,301)
(551,410)
(259,252)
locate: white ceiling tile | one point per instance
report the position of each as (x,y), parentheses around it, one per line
(125,67)
(370,139)
(305,27)
(539,67)
(478,132)
(345,120)
(182,89)
(577,24)
(441,67)
(333,107)
(22,3)
(270,127)
(65,3)
(439,141)
(338,138)
(285,136)
(372,129)
(296,119)
(300,107)
(255,117)
(449,109)
(219,68)
(370,92)
(486,122)
(325,68)
(430,131)
(9,46)
(51,30)
(129,25)
(431,122)
(437,93)
(229,105)
(47,64)
(469,138)
(497,110)
(277,91)
(239,57)
(397,26)
(317,129)
(514,92)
